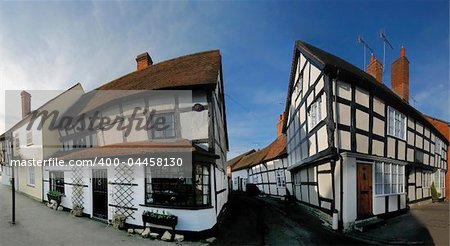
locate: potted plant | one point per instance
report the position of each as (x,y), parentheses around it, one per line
(77,210)
(164,218)
(54,195)
(434,194)
(118,221)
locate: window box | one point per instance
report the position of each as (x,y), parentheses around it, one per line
(55,195)
(164,219)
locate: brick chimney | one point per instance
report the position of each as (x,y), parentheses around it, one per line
(26,103)
(375,68)
(280,124)
(143,61)
(400,76)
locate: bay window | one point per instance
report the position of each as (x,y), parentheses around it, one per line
(170,188)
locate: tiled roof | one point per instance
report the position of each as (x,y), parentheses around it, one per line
(275,150)
(236,159)
(190,70)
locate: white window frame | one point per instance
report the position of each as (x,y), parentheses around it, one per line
(280,177)
(438,146)
(400,179)
(16,140)
(395,132)
(29,138)
(31,179)
(315,113)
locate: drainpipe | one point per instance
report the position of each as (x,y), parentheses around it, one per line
(13,185)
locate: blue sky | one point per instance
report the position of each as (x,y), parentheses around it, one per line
(53,45)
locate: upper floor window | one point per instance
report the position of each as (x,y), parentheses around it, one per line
(168,130)
(438,148)
(29,138)
(315,113)
(298,87)
(16,140)
(396,124)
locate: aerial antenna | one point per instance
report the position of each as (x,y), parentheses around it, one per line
(414,101)
(385,41)
(366,47)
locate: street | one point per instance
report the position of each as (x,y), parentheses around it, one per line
(39,225)
(255,221)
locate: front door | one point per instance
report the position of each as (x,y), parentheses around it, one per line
(364,180)
(100,193)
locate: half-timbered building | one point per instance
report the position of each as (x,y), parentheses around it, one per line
(356,147)
(265,168)
(187,94)
(442,185)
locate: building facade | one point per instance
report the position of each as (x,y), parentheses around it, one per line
(444,127)
(32,142)
(355,147)
(265,168)
(188,95)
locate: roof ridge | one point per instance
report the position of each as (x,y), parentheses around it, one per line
(159,63)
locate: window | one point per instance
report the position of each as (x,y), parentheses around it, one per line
(169,125)
(16,140)
(438,148)
(31,176)
(236,182)
(244,182)
(256,179)
(314,113)
(57,181)
(396,124)
(298,89)
(389,178)
(281,182)
(426,180)
(29,138)
(192,191)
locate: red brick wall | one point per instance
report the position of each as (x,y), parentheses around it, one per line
(375,68)
(400,76)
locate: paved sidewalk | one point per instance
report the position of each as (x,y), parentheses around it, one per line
(39,225)
(426,225)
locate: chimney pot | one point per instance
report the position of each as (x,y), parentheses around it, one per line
(143,61)
(26,103)
(402,51)
(375,68)
(280,124)
(400,75)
